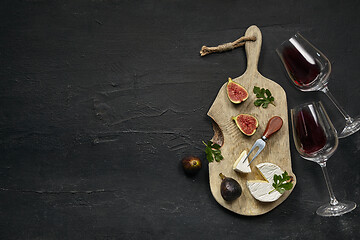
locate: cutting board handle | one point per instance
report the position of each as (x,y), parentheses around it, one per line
(253,49)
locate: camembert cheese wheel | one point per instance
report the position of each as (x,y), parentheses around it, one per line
(262,189)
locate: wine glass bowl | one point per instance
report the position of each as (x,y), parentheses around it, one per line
(307,67)
(314,135)
(309,70)
(316,140)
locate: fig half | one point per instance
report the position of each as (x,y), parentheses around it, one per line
(236,92)
(246,123)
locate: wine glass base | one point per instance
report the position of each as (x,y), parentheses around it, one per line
(350,128)
(341,208)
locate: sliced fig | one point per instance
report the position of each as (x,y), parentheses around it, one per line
(236,92)
(246,123)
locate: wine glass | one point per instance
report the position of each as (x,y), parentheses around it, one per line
(316,140)
(309,70)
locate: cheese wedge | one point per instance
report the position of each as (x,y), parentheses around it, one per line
(260,189)
(241,167)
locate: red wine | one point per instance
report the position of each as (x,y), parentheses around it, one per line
(301,70)
(310,134)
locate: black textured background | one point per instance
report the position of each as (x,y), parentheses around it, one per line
(99,101)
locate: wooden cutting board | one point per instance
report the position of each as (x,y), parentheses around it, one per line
(233,142)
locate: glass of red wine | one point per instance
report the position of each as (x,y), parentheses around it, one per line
(309,70)
(316,140)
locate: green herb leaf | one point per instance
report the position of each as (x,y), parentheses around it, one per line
(282,183)
(258,102)
(216,146)
(212,151)
(268,93)
(209,155)
(287,186)
(262,99)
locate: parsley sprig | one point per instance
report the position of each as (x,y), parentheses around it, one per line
(262,99)
(282,183)
(212,151)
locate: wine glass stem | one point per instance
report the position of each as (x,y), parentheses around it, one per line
(337,105)
(333,200)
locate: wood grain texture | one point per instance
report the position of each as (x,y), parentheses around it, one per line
(277,150)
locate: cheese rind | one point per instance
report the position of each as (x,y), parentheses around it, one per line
(240,166)
(260,189)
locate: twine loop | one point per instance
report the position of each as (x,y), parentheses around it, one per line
(226,46)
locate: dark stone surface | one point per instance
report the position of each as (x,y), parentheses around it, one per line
(99,101)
